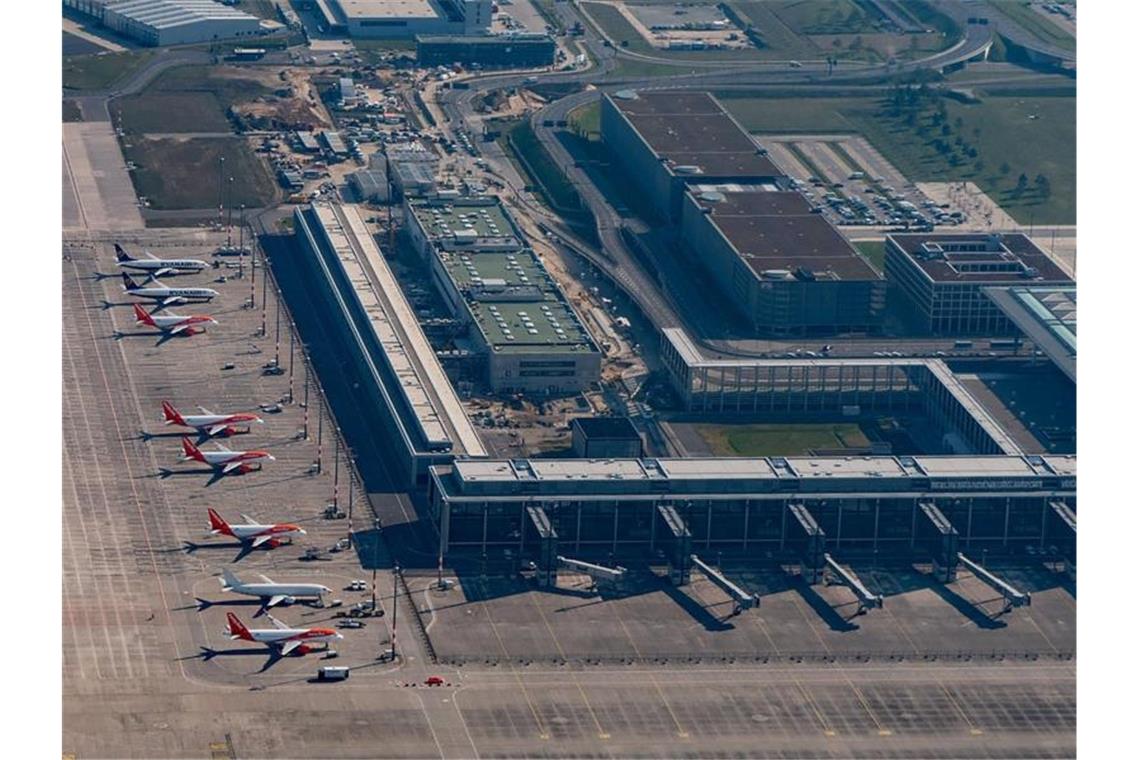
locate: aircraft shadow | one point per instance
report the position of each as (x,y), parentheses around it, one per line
(834,620)
(243,548)
(272,659)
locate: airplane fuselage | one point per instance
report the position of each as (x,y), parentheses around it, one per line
(175,295)
(297,590)
(250,532)
(285,635)
(159,265)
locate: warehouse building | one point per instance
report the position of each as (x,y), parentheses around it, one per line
(669,140)
(404,19)
(514,50)
(384,343)
(940,278)
(173,22)
(783,266)
(521,322)
(642,509)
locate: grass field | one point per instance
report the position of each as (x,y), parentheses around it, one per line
(823,16)
(758,440)
(98,72)
(557,190)
(170,112)
(182,174)
(587,119)
(1036,24)
(1033,135)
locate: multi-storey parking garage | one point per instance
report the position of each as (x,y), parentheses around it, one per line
(760,507)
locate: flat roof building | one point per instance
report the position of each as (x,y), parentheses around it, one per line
(786,268)
(865,505)
(671,139)
(940,277)
(405,19)
(386,343)
(490,50)
(605,438)
(521,321)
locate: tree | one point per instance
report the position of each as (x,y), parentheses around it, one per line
(979,165)
(1041,182)
(1004,168)
(1022,183)
(958,123)
(945,130)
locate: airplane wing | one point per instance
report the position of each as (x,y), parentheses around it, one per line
(214,430)
(230,468)
(150,255)
(278,624)
(179,328)
(261,540)
(264,578)
(162,271)
(204,410)
(170,301)
(289,647)
(275,600)
(249,520)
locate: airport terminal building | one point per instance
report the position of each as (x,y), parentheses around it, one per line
(404,19)
(171,22)
(761,507)
(519,320)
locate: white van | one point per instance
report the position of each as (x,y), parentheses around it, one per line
(332,673)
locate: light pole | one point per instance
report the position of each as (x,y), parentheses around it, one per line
(320,431)
(305,403)
(221,182)
(241,244)
(336,468)
(264,289)
(395,582)
(277,339)
(292,331)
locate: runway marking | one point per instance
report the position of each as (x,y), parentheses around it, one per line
(427,719)
(883,731)
(602,733)
(974,730)
(71,555)
(681,732)
(127,459)
(108,526)
(827,729)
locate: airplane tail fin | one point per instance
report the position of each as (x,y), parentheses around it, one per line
(190,451)
(219,525)
(128,283)
(120,254)
(229,580)
(171,415)
(142,317)
(237,628)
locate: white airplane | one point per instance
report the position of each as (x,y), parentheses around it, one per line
(156,266)
(207,422)
(270,593)
(164,295)
(224,459)
(253,531)
(281,636)
(173,323)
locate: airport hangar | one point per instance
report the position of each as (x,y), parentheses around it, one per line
(170,22)
(404,19)
(781,265)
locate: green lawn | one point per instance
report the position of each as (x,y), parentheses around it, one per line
(823,16)
(759,440)
(183,174)
(1036,24)
(587,119)
(1033,135)
(101,70)
(557,190)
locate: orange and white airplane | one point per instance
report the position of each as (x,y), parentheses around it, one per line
(224,459)
(258,534)
(173,323)
(207,422)
(281,637)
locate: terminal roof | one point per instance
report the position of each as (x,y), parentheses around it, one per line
(982,258)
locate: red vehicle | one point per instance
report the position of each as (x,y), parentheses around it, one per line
(434,681)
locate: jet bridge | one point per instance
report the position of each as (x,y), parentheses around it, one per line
(678,543)
(539,531)
(810,540)
(847,577)
(598,573)
(741,598)
(942,538)
(1063,531)
(1012,596)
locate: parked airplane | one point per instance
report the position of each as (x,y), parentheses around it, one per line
(281,636)
(164,295)
(207,422)
(271,593)
(173,323)
(156,266)
(253,531)
(224,459)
